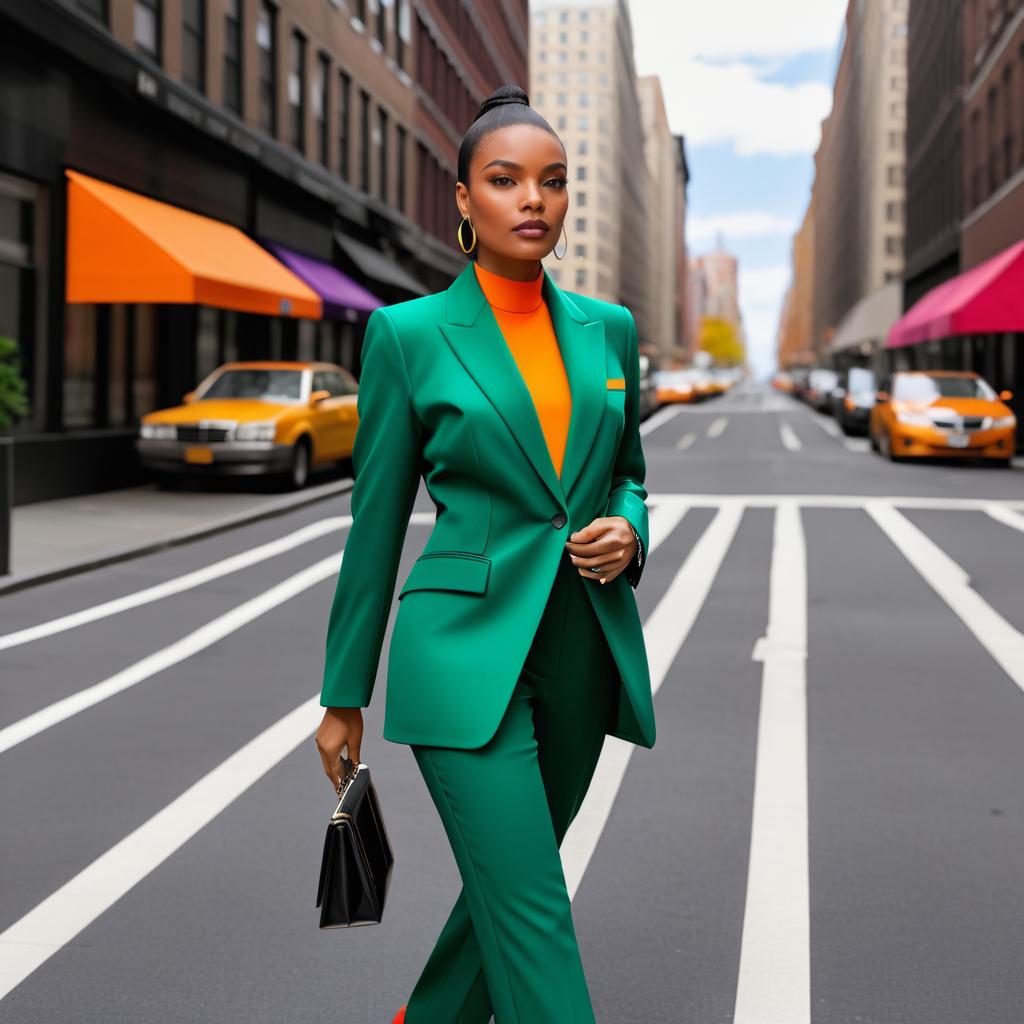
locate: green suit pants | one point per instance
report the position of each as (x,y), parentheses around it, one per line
(509,946)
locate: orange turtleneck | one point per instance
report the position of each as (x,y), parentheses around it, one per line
(525,323)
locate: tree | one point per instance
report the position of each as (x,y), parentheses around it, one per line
(13,397)
(719,339)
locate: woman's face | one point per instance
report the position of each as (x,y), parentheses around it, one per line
(517,174)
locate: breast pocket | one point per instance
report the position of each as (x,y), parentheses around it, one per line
(448,570)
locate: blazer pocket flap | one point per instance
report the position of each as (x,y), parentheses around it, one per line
(448,570)
(616,383)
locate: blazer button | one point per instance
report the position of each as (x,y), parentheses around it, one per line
(558,520)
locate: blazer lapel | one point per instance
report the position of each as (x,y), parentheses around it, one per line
(474,335)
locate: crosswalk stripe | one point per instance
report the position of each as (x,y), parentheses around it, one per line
(952,584)
(829,426)
(717,428)
(857,444)
(180,650)
(789,438)
(773,985)
(665,632)
(1006,516)
(52,924)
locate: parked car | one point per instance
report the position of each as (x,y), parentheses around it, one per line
(648,391)
(674,386)
(942,413)
(260,417)
(818,392)
(853,397)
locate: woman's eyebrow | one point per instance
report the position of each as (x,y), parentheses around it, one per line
(518,167)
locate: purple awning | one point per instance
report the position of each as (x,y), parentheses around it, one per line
(343,298)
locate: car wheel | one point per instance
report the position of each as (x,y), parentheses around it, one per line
(872,440)
(298,469)
(885,446)
(1006,463)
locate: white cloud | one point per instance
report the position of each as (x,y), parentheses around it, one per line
(763,285)
(711,59)
(739,224)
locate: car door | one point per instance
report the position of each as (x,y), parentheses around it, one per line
(347,389)
(326,419)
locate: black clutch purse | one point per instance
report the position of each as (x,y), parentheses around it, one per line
(357,860)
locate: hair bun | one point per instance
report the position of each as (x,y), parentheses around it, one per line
(505,94)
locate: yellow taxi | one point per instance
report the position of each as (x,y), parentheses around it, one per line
(942,413)
(256,417)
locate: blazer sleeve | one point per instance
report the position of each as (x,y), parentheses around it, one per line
(627,496)
(386,473)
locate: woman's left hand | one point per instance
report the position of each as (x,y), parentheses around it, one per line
(608,543)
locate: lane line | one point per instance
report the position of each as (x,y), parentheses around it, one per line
(829,426)
(188,581)
(774,983)
(718,427)
(832,500)
(789,438)
(952,583)
(1006,516)
(685,441)
(659,419)
(190,644)
(857,444)
(28,943)
(665,632)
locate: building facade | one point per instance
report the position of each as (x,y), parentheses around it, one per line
(326,126)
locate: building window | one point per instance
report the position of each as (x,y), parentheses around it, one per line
(266,40)
(94,8)
(193,44)
(297,91)
(581,172)
(364,140)
(581,198)
(581,277)
(320,103)
(581,147)
(382,25)
(400,144)
(580,252)
(382,143)
(402,31)
(343,120)
(894,245)
(233,55)
(147,28)
(894,210)
(581,223)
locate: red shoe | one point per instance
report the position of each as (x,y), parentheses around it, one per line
(400,1016)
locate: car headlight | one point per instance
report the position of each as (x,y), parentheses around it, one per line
(915,419)
(158,431)
(264,431)
(1004,421)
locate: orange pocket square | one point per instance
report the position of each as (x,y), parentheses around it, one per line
(617,383)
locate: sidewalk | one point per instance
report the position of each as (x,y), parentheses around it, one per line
(50,539)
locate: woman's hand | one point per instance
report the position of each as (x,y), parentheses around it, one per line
(607,542)
(339,726)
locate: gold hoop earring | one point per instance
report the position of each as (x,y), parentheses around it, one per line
(566,249)
(458,232)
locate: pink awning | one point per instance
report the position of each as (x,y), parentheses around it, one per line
(988,298)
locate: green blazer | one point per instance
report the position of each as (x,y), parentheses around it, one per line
(441,397)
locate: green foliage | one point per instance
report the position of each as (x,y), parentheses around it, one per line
(13,396)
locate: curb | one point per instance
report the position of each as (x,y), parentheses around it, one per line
(310,496)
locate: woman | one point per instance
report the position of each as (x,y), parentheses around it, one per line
(517,646)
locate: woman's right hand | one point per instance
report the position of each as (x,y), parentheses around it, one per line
(340,726)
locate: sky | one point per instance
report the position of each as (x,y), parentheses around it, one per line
(748,84)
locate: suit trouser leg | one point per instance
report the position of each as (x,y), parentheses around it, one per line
(509,945)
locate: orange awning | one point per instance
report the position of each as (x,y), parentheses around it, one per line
(126,247)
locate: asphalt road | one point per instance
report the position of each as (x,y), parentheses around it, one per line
(829,827)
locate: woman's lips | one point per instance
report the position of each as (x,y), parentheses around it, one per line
(531,232)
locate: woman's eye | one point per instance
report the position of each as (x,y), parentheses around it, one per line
(560,182)
(500,177)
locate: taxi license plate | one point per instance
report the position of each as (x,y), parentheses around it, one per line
(958,440)
(199,456)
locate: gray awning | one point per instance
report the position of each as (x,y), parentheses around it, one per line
(378,267)
(868,322)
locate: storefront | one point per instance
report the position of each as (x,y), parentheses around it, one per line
(111,316)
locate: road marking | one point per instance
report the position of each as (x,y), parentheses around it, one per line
(52,924)
(207,635)
(952,583)
(830,500)
(856,444)
(718,427)
(659,419)
(665,632)
(1006,516)
(829,426)
(789,438)
(685,441)
(774,983)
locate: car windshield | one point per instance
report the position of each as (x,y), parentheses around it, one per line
(924,388)
(861,379)
(268,385)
